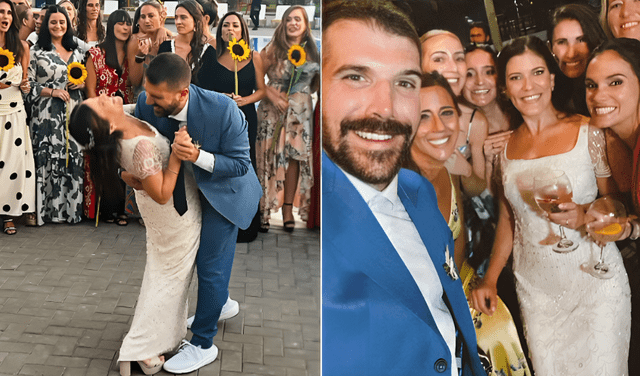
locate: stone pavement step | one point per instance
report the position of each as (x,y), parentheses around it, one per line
(68,292)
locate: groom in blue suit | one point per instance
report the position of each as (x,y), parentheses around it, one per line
(229,189)
(392,303)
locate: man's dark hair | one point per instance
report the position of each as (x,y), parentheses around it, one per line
(380,13)
(483,26)
(169,68)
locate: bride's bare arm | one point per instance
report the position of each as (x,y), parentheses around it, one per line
(157,181)
(160,186)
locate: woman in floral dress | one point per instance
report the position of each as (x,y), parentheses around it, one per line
(285,121)
(58,186)
(108,73)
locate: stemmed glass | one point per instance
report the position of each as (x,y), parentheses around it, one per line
(551,190)
(610,217)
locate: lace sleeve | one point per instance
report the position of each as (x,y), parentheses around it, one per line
(598,152)
(147,159)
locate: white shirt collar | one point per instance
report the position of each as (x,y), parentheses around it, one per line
(182,115)
(368,192)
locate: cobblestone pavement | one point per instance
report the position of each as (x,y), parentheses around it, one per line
(67,297)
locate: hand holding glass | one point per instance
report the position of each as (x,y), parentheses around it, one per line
(610,217)
(551,190)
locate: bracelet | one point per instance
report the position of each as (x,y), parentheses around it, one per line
(140,59)
(170,170)
(52,91)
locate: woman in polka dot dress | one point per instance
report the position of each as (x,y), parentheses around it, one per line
(17,195)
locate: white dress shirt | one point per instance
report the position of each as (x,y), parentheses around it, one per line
(401,231)
(206,160)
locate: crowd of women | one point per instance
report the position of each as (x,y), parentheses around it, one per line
(533,154)
(43,171)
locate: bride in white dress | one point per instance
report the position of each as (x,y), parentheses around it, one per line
(575,324)
(160,319)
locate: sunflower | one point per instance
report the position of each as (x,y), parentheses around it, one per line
(76,73)
(239,50)
(6,59)
(296,55)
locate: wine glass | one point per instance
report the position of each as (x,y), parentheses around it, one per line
(610,218)
(550,190)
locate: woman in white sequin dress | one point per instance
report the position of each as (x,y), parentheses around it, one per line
(160,319)
(575,324)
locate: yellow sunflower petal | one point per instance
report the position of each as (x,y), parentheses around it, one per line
(76,73)
(296,55)
(239,50)
(6,59)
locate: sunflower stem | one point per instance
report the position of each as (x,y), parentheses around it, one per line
(236,71)
(67,131)
(293,73)
(98,211)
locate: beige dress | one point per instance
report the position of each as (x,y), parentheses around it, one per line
(160,320)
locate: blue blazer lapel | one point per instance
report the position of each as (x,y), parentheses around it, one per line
(359,238)
(194,115)
(420,202)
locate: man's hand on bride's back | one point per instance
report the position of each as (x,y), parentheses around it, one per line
(131,181)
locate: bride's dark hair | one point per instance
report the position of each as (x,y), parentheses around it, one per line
(102,147)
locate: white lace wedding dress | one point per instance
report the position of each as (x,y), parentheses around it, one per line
(575,324)
(160,320)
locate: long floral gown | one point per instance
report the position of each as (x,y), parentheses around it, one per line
(58,187)
(293,141)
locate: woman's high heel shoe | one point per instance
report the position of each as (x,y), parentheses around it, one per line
(288,225)
(125,367)
(155,367)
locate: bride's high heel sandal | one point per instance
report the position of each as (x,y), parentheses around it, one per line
(125,367)
(155,367)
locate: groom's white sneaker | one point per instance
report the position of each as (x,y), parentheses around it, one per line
(229,310)
(189,358)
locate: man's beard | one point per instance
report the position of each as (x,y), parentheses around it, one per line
(373,166)
(160,111)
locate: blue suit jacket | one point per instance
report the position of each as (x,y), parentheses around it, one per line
(214,120)
(375,321)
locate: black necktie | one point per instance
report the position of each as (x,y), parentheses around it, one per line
(179,195)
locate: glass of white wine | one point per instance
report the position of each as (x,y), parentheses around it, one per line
(610,217)
(550,190)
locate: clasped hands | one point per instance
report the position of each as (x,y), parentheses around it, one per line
(183,146)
